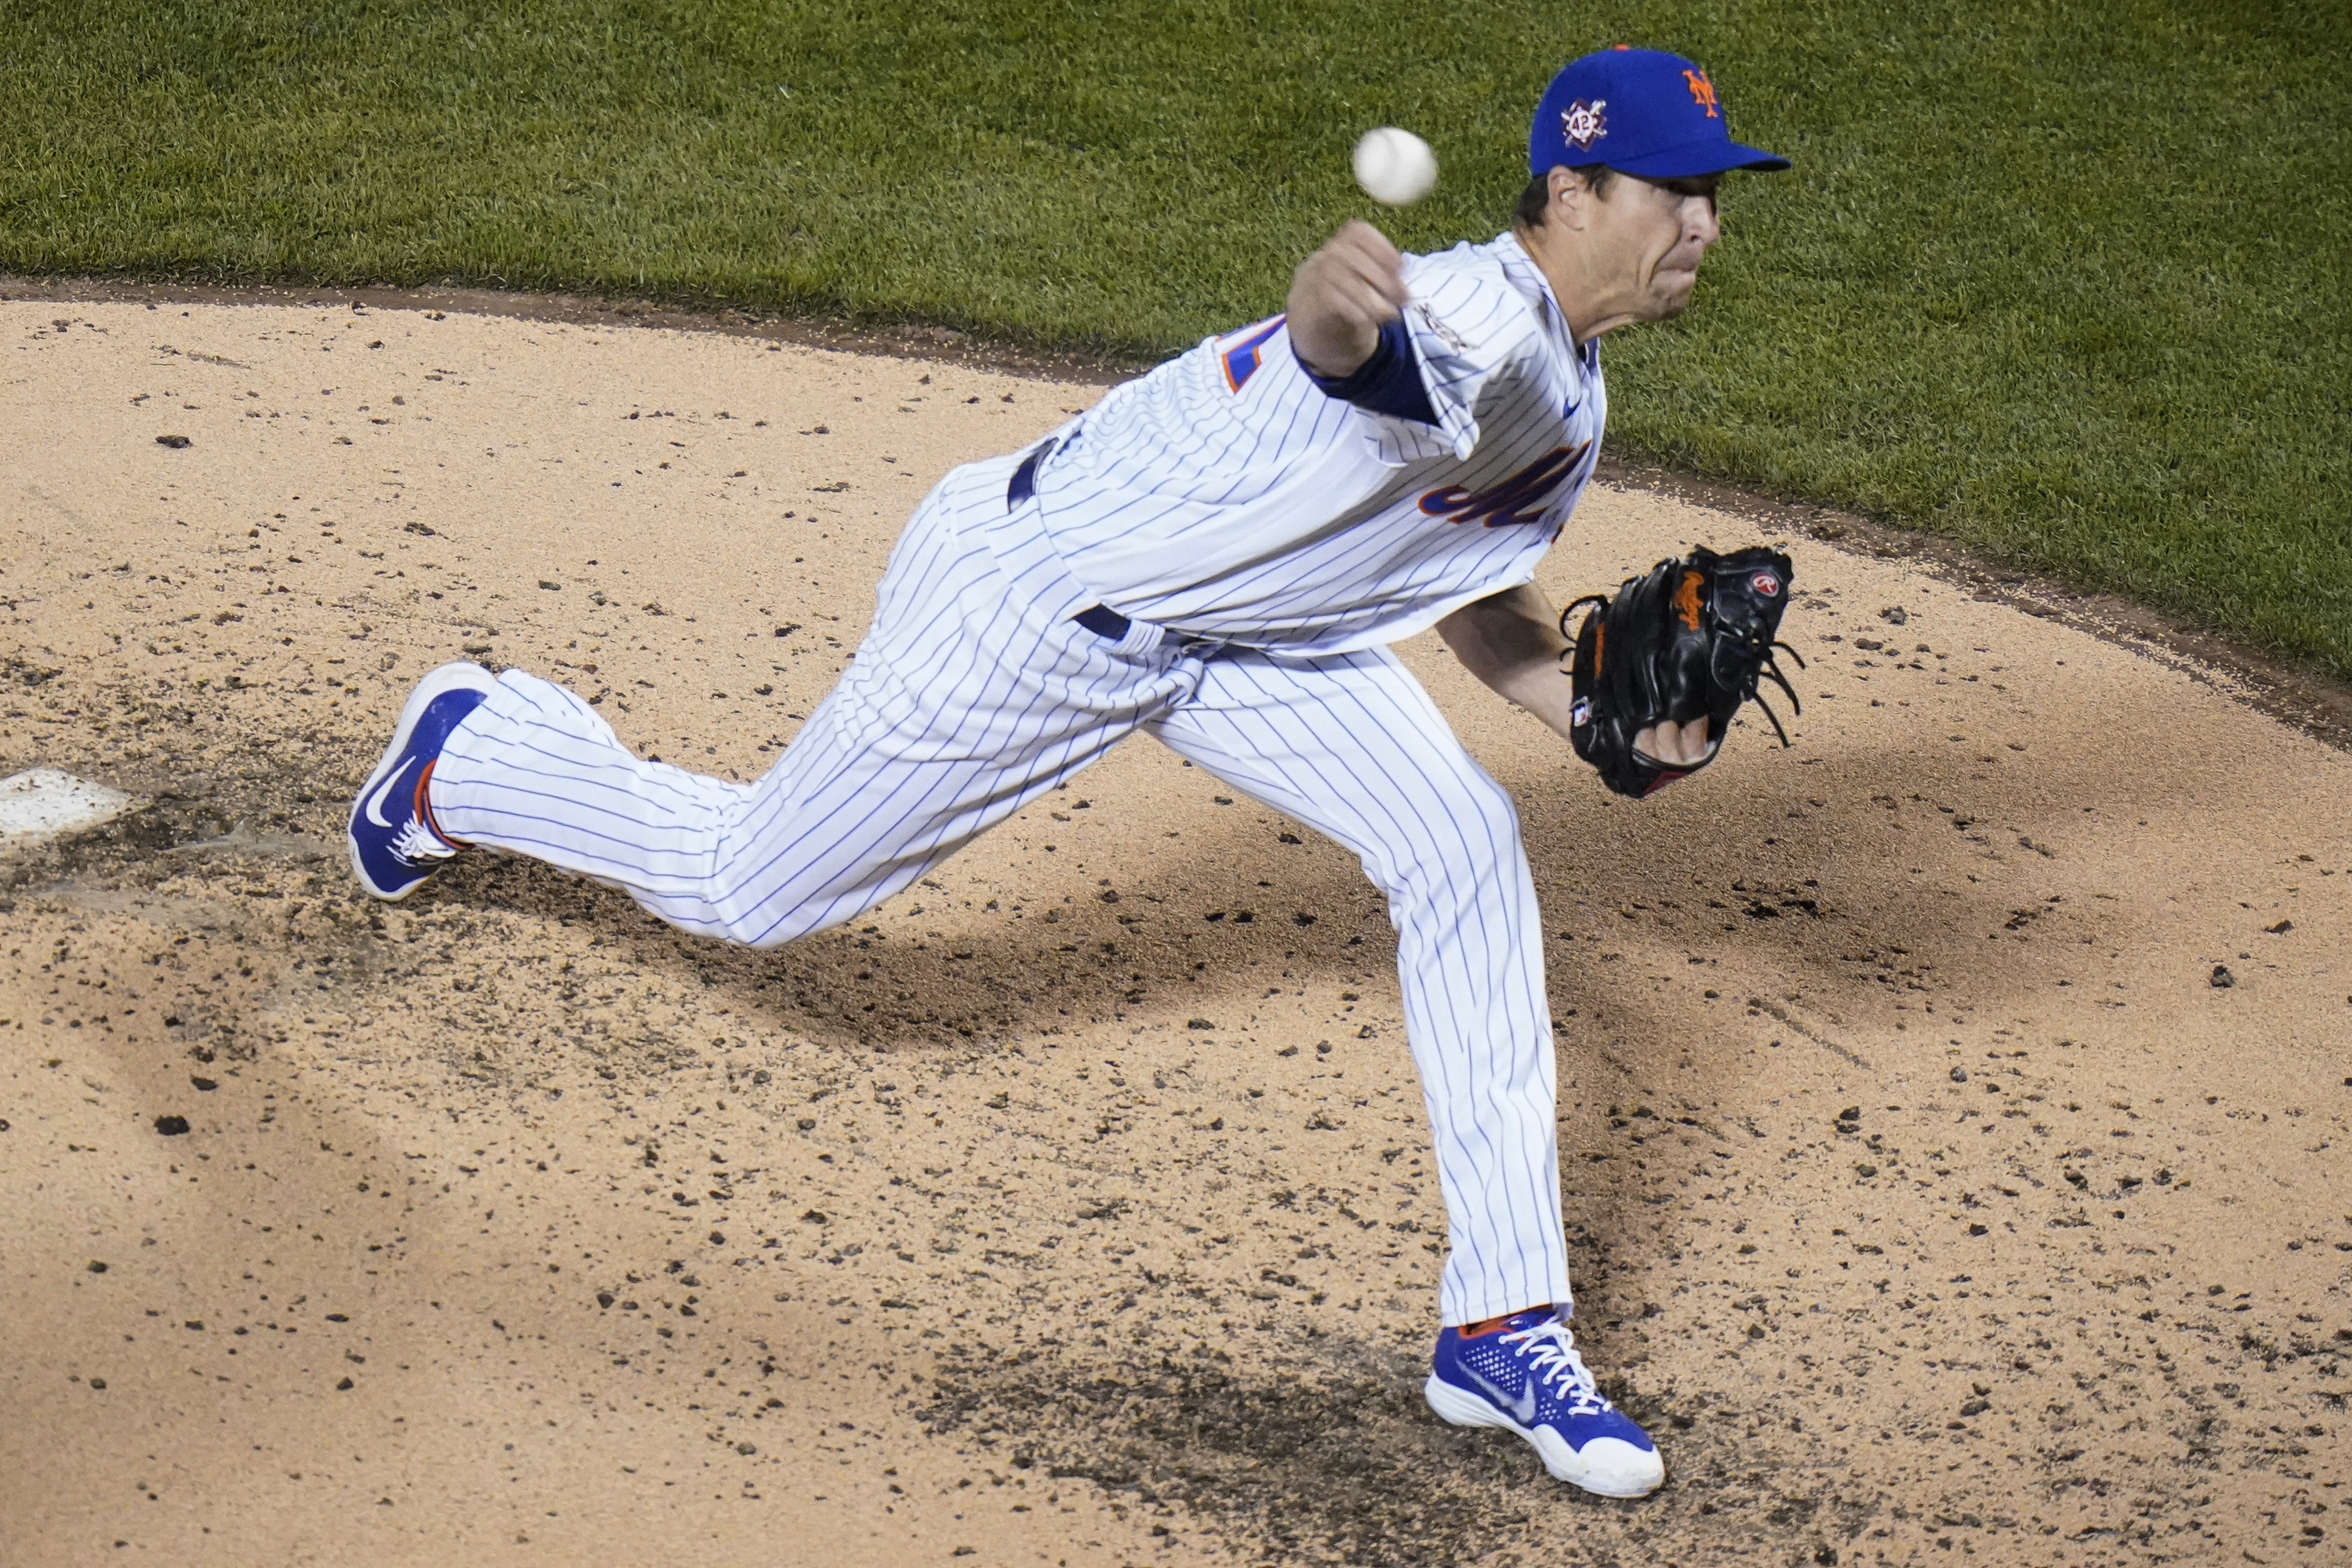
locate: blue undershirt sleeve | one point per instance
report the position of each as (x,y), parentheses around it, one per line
(1388,382)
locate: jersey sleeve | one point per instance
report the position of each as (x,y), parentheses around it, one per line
(1473,336)
(1388,383)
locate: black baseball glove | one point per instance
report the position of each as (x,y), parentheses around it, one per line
(1690,641)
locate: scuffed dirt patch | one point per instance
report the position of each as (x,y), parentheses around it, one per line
(1324,1453)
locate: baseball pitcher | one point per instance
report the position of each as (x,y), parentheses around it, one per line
(1220,554)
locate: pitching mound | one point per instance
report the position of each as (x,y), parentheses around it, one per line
(1951,1105)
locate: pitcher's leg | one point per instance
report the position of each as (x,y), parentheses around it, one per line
(962,703)
(1352,745)
(535,770)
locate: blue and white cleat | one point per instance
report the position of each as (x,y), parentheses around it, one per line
(1522,1374)
(394,842)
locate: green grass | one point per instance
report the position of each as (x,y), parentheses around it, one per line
(2066,282)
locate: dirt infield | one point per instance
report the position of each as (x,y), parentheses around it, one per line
(1951,1105)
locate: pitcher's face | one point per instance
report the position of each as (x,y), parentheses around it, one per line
(1649,235)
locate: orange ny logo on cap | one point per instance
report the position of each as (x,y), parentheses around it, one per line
(1702,92)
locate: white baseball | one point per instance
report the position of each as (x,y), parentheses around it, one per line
(1395,167)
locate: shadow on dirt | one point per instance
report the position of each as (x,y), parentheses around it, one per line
(1183,935)
(1340,1461)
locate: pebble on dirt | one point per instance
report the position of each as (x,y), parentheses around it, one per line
(2222,980)
(171,1126)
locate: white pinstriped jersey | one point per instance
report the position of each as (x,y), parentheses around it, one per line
(1226,495)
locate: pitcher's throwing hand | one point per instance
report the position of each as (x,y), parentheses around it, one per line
(1342,296)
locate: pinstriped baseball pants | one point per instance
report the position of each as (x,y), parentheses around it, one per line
(973,693)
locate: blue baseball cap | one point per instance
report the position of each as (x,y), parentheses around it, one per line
(1640,112)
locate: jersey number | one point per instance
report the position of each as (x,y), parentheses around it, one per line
(1242,359)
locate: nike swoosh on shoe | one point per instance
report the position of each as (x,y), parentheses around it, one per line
(1521,1409)
(376,802)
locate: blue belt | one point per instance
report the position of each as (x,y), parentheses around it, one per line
(1101,620)
(1104,623)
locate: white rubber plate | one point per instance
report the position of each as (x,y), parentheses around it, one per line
(42,803)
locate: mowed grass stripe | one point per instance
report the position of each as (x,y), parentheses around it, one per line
(2066,284)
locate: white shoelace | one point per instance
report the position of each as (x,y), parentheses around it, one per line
(1552,1358)
(417,843)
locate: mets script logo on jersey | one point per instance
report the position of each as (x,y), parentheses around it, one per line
(1521,498)
(1582,123)
(1702,92)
